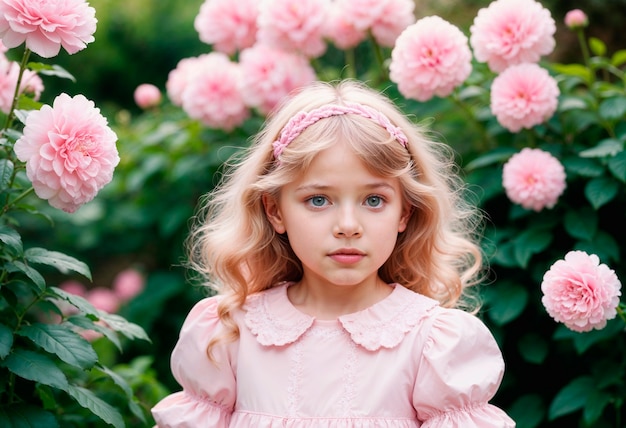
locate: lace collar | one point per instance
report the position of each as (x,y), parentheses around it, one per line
(274,321)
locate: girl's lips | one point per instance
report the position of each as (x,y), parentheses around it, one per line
(347,256)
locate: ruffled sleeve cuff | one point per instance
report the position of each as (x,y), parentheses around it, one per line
(184,410)
(460,371)
(478,416)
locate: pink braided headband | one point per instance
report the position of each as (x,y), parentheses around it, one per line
(302,120)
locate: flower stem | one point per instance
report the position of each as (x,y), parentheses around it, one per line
(16,93)
(350,63)
(380,60)
(11,204)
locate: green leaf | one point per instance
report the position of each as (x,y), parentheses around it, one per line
(585,167)
(6,173)
(533,348)
(618,58)
(11,238)
(121,382)
(601,190)
(6,341)
(88,324)
(60,261)
(36,367)
(78,302)
(617,166)
(613,108)
(122,325)
(571,398)
(596,402)
(63,342)
(567,103)
(96,405)
(32,274)
(597,46)
(607,147)
(51,70)
(576,70)
(26,416)
(528,411)
(492,157)
(505,302)
(530,242)
(581,224)
(603,244)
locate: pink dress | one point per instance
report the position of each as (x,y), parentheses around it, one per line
(404,362)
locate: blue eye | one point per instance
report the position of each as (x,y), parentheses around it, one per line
(374,201)
(318,201)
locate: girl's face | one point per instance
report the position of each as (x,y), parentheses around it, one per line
(342,221)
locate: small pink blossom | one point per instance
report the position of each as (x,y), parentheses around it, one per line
(9,72)
(397,15)
(523,96)
(431,57)
(179,77)
(534,179)
(46,26)
(294,25)
(229,26)
(580,292)
(363,13)
(575,19)
(212,94)
(339,28)
(268,75)
(69,151)
(128,284)
(147,96)
(74,287)
(103,299)
(510,32)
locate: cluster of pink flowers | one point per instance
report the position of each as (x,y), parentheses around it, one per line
(31,83)
(46,26)
(69,151)
(534,179)
(580,292)
(127,285)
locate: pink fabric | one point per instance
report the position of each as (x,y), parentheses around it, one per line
(405,362)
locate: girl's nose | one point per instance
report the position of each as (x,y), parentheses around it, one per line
(347,224)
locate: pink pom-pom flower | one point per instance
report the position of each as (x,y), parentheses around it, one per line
(575,19)
(523,96)
(147,95)
(580,292)
(9,72)
(431,57)
(229,26)
(46,26)
(534,179)
(69,151)
(510,32)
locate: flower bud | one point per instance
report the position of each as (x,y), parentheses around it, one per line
(575,19)
(147,96)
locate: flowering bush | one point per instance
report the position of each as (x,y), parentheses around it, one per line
(541,145)
(50,375)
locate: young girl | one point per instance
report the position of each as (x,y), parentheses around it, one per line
(340,245)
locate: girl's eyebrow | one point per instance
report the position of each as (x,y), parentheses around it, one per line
(315,187)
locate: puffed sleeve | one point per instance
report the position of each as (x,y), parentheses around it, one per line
(460,371)
(208,388)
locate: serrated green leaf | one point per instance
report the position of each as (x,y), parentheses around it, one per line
(78,302)
(531,242)
(597,46)
(571,398)
(11,238)
(6,340)
(63,342)
(6,173)
(36,367)
(617,166)
(96,405)
(601,190)
(87,324)
(123,326)
(581,224)
(613,108)
(37,279)
(505,302)
(607,147)
(60,261)
(26,416)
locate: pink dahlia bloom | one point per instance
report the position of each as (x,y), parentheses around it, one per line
(431,57)
(45,26)
(179,78)
(397,15)
(128,284)
(294,25)
(575,19)
(147,96)
(229,26)
(339,28)
(9,71)
(69,151)
(268,75)
(510,32)
(212,94)
(534,179)
(523,96)
(580,292)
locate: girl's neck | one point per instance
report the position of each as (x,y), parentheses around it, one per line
(331,302)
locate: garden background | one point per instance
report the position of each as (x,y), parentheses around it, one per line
(555,377)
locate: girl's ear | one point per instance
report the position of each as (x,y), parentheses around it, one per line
(273,214)
(407,211)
